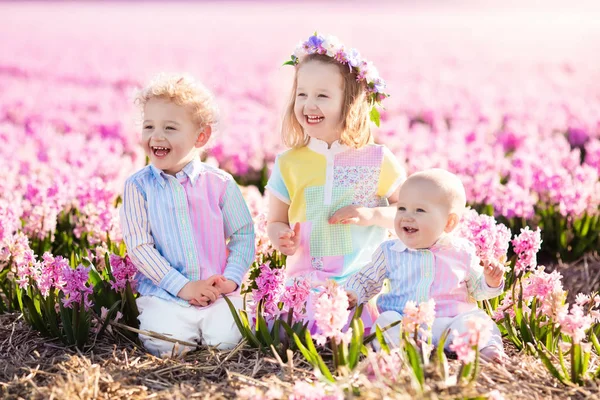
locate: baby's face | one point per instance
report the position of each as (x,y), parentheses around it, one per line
(422,215)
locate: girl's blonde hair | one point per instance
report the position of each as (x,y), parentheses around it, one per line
(356,123)
(182,90)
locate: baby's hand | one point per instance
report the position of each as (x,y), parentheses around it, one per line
(493,271)
(352,215)
(352,299)
(289,240)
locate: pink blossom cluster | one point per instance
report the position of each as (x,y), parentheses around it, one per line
(331,315)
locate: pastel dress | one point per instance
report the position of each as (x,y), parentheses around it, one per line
(316,181)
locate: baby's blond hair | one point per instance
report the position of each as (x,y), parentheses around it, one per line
(182,90)
(450,186)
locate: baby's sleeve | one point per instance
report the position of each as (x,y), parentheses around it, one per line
(276,184)
(369,280)
(392,174)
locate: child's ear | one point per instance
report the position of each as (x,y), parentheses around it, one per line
(203,136)
(452,223)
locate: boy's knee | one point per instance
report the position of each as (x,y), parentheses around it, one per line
(163,348)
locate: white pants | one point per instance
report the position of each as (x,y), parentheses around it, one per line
(212,325)
(440,325)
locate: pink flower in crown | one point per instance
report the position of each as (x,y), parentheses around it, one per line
(331,315)
(526,247)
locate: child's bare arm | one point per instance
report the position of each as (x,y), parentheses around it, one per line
(284,238)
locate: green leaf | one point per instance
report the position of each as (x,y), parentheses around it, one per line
(262,329)
(356,344)
(373,335)
(381,340)
(275,332)
(415,362)
(241,321)
(546,361)
(375,116)
(290,62)
(442,361)
(35,317)
(131,310)
(65,316)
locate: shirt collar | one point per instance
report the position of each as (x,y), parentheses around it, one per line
(192,170)
(443,242)
(320,146)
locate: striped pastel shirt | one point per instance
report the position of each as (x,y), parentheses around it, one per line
(185,228)
(449,272)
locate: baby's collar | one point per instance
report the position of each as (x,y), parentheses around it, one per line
(444,241)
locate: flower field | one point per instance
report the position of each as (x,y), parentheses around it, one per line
(509,101)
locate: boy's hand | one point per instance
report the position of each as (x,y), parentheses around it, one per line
(224,285)
(352,215)
(289,240)
(352,299)
(493,271)
(202,292)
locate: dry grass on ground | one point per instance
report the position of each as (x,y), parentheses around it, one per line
(115,368)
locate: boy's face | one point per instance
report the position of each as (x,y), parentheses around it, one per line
(423,214)
(319,99)
(170,137)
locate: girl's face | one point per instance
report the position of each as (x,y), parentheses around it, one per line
(170,137)
(319,99)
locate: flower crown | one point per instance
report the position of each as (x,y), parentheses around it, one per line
(364,69)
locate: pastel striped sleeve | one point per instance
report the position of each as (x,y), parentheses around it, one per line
(138,238)
(239,229)
(391,176)
(367,282)
(276,184)
(476,284)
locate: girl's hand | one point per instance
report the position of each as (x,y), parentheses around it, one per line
(493,271)
(289,240)
(352,215)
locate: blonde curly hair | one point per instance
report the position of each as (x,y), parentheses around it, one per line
(356,125)
(183,90)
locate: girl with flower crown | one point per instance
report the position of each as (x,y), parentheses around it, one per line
(332,192)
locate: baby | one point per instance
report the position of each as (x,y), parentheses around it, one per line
(428,262)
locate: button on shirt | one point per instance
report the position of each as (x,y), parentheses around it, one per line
(449,272)
(185,228)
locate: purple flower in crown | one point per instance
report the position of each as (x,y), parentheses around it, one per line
(314,44)
(353,57)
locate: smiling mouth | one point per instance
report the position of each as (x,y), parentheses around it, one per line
(160,151)
(409,230)
(313,119)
